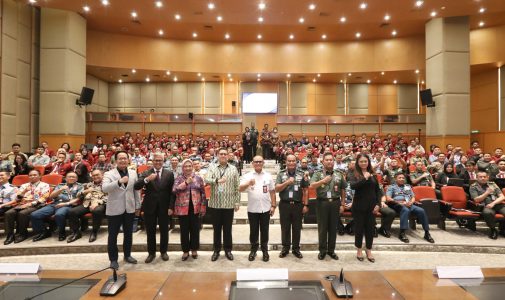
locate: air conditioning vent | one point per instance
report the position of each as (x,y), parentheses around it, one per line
(382,25)
(124,75)
(208,27)
(311,28)
(136,21)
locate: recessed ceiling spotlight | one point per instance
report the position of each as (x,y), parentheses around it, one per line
(120,81)
(419,3)
(160,32)
(177,17)
(259,79)
(195,34)
(262,6)
(382,73)
(323,36)
(104,2)
(32,1)
(259,75)
(231,79)
(343,19)
(358,35)
(211,6)
(341,81)
(175,78)
(86,8)
(481,24)
(393,33)
(291,36)
(482,10)
(219,18)
(368,81)
(312,6)
(387,17)
(417,71)
(229,75)
(318,75)
(301,20)
(159,4)
(167,72)
(260,19)
(134,71)
(314,80)
(349,74)
(134,14)
(395,82)
(288,75)
(363,5)
(259,36)
(227,36)
(203,78)
(199,74)
(148,79)
(433,14)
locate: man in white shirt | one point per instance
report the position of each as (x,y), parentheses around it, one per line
(137,158)
(39,158)
(261,204)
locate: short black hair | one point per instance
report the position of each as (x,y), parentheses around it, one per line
(16,144)
(119,152)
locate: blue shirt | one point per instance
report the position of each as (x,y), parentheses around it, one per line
(7,193)
(69,195)
(400,193)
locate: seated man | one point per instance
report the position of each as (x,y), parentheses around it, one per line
(421,177)
(401,198)
(64,197)
(81,168)
(93,200)
(102,164)
(491,196)
(30,197)
(39,158)
(5,164)
(137,158)
(16,149)
(60,166)
(7,198)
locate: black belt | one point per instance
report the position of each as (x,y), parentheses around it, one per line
(291,201)
(328,199)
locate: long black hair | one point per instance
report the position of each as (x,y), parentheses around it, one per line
(358,173)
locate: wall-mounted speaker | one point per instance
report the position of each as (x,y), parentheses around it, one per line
(233,103)
(190,116)
(427,98)
(86,96)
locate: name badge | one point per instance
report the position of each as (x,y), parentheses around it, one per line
(290,195)
(407,188)
(265,190)
(220,188)
(328,195)
(295,188)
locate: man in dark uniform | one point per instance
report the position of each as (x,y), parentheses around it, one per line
(330,188)
(292,186)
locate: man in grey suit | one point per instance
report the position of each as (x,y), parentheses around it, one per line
(122,206)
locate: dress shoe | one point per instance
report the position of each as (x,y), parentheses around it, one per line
(9,239)
(62,236)
(42,236)
(341,231)
(214,256)
(360,258)
(185,257)
(92,237)
(403,237)
(74,237)
(228,255)
(428,237)
(321,255)
(333,255)
(266,257)
(370,259)
(252,255)
(384,232)
(114,265)
(194,255)
(150,258)
(164,256)
(297,253)
(284,253)
(18,238)
(130,260)
(375,232)
(493,233)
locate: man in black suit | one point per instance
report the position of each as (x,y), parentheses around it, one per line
(158,183)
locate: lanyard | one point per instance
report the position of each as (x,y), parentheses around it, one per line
(33,188)
(221,173)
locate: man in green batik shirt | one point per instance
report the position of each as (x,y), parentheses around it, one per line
(224,200)
(330,189)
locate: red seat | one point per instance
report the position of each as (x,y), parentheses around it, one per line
(142,168)
(20,179)
(41,169)
(457,197)
(52,179)
(424,192)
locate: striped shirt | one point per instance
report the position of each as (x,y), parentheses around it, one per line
(226,194)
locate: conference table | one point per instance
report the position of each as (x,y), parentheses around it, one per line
(397,284)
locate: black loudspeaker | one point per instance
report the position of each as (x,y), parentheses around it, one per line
(86,96)
(427,98)
(190,116)
(233,103)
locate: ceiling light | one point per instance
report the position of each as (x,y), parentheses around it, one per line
(160,32)
(219,18)
(395,82)
(148,79)
(260,19)
(482,10)
(288,75)
(312,6)
(203,78)
(341,81)
(422,82)
(323,36)
(349,74)
(393,33)
(134,71)
(358,35)
(167,72)
(120,81)
(227,36)
(32,1)
(211,6)
(301,20)
(314,80)
(86,8)
(195,34)
(481,24)
(199,74)
(382,73)
(231,79)
(175,78)
(433,14)
(262,6)
(419,3)
(229,75)
(387,17)
(177,17)
(343,19)
(158,4)
(134,14)
(318,75)
(104,2)
(363,5)
(417,71)
(368,81)
(259,79)
(259,36)
(259,75)
(291,36)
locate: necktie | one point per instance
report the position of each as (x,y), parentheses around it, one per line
(472,176)
(157,176)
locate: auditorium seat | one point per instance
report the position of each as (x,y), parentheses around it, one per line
(52,179)
(41,169)
(424,192)
(142,168)
(456,197)
(20,179)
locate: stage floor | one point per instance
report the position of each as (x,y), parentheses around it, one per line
(404,284)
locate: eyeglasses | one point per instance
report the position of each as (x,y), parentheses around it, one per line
(258,162)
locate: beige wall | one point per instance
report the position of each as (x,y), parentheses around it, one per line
(484,101)
(19,75)
(100,101)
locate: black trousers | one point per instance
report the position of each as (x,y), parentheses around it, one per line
(159,217)
(190,230)
(291,221)
(222,220)
(78,212)
(19,216)
(387,217)
(258,222)
(267,150)
(114,224)
(247,153)
(489,214)
(364,223)
(328,215)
